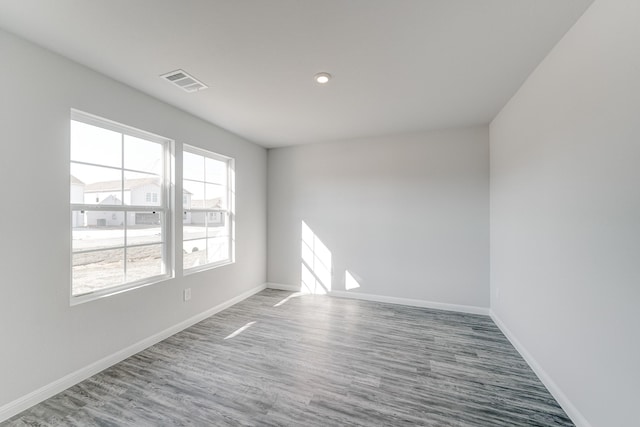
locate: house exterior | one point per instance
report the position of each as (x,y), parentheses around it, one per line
(211,218)
(77,196)
(140,192)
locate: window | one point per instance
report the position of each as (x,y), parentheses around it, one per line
(207,209)
(119,231)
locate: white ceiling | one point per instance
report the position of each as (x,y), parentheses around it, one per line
(398,65)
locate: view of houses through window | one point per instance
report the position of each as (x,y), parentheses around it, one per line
(119,205)
(120,211)
(207,214)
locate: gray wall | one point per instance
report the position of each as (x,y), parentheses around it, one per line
(42,338)
(565,214)
(406,215)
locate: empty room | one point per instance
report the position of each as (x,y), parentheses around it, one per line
(338,213)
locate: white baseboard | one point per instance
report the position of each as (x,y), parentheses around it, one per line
(12,408)
(283,287)
(391,300)
(412,302)
(578,419)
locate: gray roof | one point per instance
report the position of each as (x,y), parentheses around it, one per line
(75,180)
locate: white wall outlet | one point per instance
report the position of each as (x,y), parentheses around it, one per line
(187,294)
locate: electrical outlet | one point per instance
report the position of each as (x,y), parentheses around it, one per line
(187,294)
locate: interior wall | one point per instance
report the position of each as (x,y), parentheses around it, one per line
(406,215)
(565,215)
(42,337)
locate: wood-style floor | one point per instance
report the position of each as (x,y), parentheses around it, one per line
(277,359)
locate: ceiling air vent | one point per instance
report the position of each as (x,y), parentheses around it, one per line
(184,81)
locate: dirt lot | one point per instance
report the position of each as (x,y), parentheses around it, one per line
(96,270)
(106,268)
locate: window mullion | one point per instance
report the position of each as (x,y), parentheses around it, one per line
(125,211)
(166,205)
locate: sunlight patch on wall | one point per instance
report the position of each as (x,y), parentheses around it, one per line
(349,281)
(316,263)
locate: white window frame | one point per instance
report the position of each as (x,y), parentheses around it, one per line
(165,208)
(229,211)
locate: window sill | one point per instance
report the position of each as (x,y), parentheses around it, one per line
(81,299)
(193,270)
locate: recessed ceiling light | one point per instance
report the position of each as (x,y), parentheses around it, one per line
(322,78)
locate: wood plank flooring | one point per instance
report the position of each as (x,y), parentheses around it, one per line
(277,359)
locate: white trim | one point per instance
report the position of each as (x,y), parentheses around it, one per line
(205,153)
(164,208)
(412,302)
(93,120)
(578,419)
(204,267)
(283,287)
(12,408)
(228,211)
(125,287)
(391,300)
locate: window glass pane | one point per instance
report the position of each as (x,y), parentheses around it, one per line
(206,233)
(93,271)
(144,261)
(97,229)
(142,189)
(142,155)
(110,168)
(97,185)
(193,166)
(194,227)
(216,197)
(217,249)
(215,171)
(217,224)
(92,144)
(195,194)
(195,253)
(144,227)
